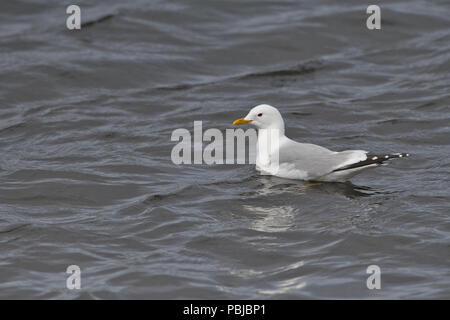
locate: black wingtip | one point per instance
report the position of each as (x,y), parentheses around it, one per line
(377,159)
(384,157)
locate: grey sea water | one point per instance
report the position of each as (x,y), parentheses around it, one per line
(86,176)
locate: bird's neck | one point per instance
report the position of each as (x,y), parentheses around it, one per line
(268,145)
(276,129)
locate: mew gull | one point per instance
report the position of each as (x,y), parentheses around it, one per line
(304,161)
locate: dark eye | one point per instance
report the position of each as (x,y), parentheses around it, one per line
(259,114)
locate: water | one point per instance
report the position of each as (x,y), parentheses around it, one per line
(86,176)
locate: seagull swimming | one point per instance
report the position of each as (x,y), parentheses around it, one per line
(304,161)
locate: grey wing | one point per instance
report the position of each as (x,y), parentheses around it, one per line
(316,160)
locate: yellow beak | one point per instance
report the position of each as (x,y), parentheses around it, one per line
(241,121)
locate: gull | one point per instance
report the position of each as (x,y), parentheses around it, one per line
(280,156)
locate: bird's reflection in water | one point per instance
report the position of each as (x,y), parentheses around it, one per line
(277,218)
(271,219)
(346,189)
(273,185)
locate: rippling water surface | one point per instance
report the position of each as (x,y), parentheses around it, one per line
(86,176)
